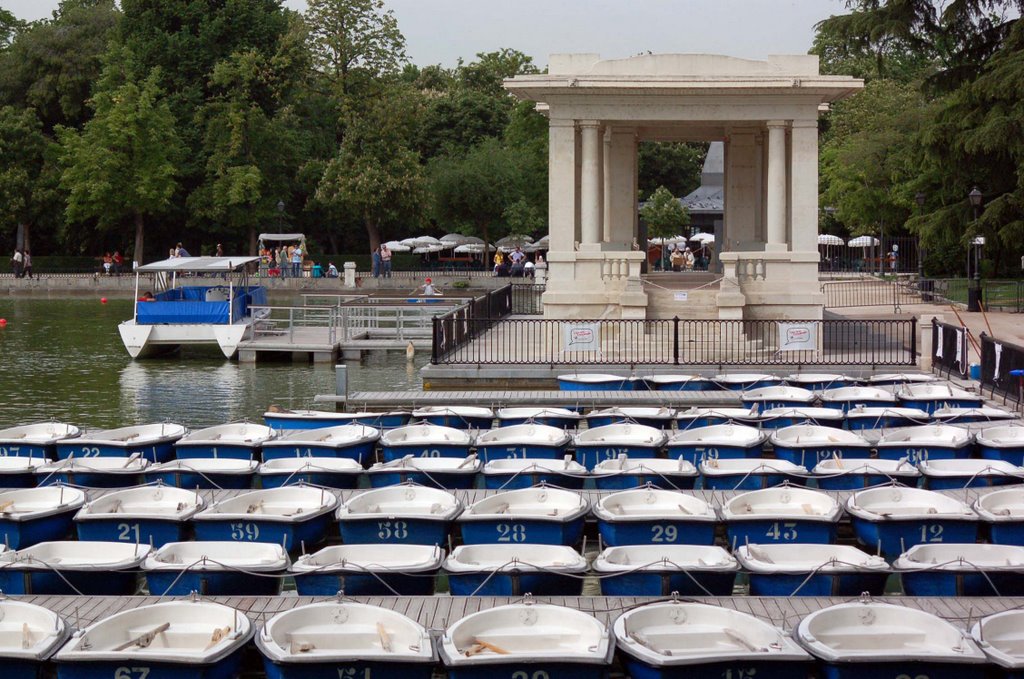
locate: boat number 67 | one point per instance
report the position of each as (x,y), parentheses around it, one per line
(523,674)
(131,673)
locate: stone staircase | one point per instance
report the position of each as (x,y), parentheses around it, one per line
(663,292)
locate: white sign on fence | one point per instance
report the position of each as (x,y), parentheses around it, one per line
(581,337)
(682,296)
(799,336)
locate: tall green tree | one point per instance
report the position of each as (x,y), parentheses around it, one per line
(664,215)
(28,194)
(673,165)
(124,163)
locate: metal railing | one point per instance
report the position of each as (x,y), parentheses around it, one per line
(394,321)
(277,321)
(526,299)
(872,291)
(996,294)
(458,327)
(998,358)
(950,348)
(461,339)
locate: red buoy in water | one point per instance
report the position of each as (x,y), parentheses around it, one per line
(3,322)
(103,300)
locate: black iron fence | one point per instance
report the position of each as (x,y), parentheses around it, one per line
(950,348)
(872,291)
(459,326)
(998,295)
(460,339)
(998,359)
(526,299)
(888,255)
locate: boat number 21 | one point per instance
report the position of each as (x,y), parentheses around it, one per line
(131,673)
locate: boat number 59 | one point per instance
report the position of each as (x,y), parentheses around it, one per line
(523,674)
(131,673)
(247,532)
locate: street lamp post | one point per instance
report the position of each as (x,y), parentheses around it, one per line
(280,215)
(924,287)
(974,289)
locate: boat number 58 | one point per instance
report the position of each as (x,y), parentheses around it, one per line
(131,673)
(523,674)
(386,530)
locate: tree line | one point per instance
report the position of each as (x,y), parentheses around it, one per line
(145,123)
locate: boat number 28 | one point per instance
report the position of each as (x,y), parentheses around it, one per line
(525,674)
(511,532)
(131,673)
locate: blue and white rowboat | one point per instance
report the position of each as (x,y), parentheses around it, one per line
(539,640)
(670,639)
(68,567)
(818,381)
(608,442)
(695,418)
(19,472)
(867,640)
(955,474)
(36,440)
(291,516)
(779,396)
(171,640)
(660,570)
(457,417)
(406,514)
(350,441)
(659,418)
(542,515)
(854,473)
(216,569)
(948,415)
(31,634)
(745,381)
(512,474)
(646,516)
(808,444)
(281,419)
(29,516)
(999,636)
(515,570)
(931,397)
(205,473)
(563,418)
(848,398)
(749,474)
(812,570)
(781,514)
(777,418)
(716,442)
(237,440)
(94,472)
(623,473)
(926,442)
(523,441)
(151,515)
(950,569)
(332,472)
(425,440)
(335,639)
(892,519)
(1003,513)
(594,382)
(892,379)
(676,382)
(368,570)
(862,417)
(447,473)
(1003,442)
(154,442)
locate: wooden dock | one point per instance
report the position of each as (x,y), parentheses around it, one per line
(316,345)
(376,400)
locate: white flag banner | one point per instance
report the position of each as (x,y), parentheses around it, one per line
(799,336)
(581,337)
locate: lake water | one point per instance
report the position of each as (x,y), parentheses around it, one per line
(63,360)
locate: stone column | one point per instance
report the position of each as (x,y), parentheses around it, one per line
(803,197)
(590,186)
(620,192)
(562,183)
(776,221)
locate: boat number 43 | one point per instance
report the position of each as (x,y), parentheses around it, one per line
(131,673)
(782,530)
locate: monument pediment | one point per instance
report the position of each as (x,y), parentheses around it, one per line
(684,66)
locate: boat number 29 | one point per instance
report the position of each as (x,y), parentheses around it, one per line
(511,532)
(131,673)
(667,533)
(931,533)
(353,673)
(245,532)
(397,530)
(782,530)
(524,674)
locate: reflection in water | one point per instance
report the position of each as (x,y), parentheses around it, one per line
(63,360)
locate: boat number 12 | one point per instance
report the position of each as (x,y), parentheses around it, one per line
(128,532)
(523,674)
(131,673)
(387,530)
(244,532)
(785,531)
(353,673)
(931,533)
(515,532)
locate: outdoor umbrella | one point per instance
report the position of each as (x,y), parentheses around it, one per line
(513,240)
(863,242)
(829,239)
(470,249)
(703,238)
(427,249)
(453,239)
(397,246)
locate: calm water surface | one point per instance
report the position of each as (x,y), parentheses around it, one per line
(63,359)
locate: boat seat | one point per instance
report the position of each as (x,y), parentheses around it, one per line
(216,295)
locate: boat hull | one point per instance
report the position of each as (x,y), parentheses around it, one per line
(893,537)
(14,580)
(809,456)
(400,531)
(603,420)
(656,532)
(661,583)
(908,668)
(695,453)
(90,479)
(741,669)
(624,384)
(362,583)
(851,481)
(528,479)
(783,421)
(21,534)
(121,529)
(488,452)
(1014,454)
(557,421)
(685,385)
(967,582)
(1006,532)
(627,480)
(191,480)
(290,534)
(327,479)
(25,479)
(969,481)
(443,480)
(296,423)
(754,481)
(500,583)
(208,451)
(817,584)
(591,455)
(391,453)
(227,668)
(856,422)
(23,669)
(522,530)
(154,452)
(459,421)
(348,670)
(930,405)
(533,669)
(361,452)
(779,531)
(9,449)
(210,583)
(917,453)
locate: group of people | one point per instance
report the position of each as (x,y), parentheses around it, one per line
(286,260)
(516,264)
(113,264)
(382,261)
(21,263)
(682,258)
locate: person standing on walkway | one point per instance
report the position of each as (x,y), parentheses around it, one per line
(220,250)
(16,262)
(297,262)
(375,257)
(26,266)
(118,262)
(385,260)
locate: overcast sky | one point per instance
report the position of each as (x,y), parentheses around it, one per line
(441,31)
